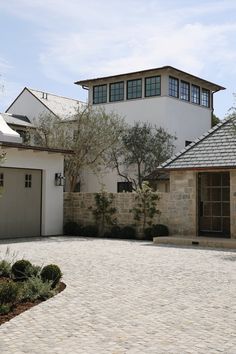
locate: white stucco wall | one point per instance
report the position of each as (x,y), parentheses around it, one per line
(52,196)
(28,105)
(184,120)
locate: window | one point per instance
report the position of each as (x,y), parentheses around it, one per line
(124,187)
(100,94)
(28,181)
(195,96)
(45,95)
(153,86)
(187,142)
(117,91)
(205,98)
(184,90)
(1,179)
(173,87)
(134,89)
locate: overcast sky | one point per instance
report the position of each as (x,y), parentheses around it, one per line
(47,45)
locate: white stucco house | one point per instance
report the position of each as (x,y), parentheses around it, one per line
(31,195)
(179,102)
(35,103)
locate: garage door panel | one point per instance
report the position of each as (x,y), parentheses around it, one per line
(20,203)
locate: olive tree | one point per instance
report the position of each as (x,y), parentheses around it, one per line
(142,148)
(90,134)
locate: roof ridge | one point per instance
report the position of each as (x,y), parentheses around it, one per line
(53,94)
(195,142)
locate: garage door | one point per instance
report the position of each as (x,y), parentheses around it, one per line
(20,202)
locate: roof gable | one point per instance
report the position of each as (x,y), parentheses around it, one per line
(216,148)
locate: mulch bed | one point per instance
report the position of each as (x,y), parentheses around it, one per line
(24,306)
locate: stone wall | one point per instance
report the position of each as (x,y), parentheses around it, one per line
(178,207)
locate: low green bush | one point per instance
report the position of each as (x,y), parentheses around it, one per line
(90,231)
(72,228)
(21,269)
(107,234)
(35,288)
(116,231)
(128,232)
(51,273)
(5,309)
(5,269)
(155,231)
(9,292)
(160,230)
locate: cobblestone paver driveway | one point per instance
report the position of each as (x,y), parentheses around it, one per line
(128,297)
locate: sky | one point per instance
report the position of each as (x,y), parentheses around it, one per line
(48,45)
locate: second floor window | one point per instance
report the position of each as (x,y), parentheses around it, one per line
(153,86)
(134,89)
(195,95)
(100,94)
(184,90)
(173,87)
(117,91)
(205,98)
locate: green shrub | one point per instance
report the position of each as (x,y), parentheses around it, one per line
(155,231)
(51,273)
(21,269)
(148,233)
(128,232)
(5,309)
(116,231)
(160,230)
(9,292)
(35,288)
(72,228)
(90,231)
(5,268)
(107,234)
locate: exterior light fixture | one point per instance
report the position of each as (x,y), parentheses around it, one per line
(59,179)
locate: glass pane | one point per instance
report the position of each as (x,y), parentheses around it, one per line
(225,209)
(216,194)
(205,223)
(225,179)
(225,194)
(226,226)
(216,224)
(216,209)
(216,179)
(207,209)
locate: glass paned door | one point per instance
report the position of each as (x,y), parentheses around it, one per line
(214,203)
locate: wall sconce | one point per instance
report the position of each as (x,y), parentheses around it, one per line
(59,179)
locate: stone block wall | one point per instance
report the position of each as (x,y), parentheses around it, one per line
(178,207)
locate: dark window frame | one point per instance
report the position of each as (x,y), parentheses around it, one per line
(192,94)
(110,91)
(205,99)
(171,87)
(28,180)
(102,98)
(156,86)
(183,90)
(124,187)
(1,179)
(127,89)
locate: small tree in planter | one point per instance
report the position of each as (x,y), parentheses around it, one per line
(104,211)
(146,207)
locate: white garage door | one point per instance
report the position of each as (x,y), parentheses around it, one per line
(20,202)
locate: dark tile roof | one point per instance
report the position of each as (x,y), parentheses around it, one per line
(216,148)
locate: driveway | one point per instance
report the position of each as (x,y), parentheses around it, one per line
(128,297)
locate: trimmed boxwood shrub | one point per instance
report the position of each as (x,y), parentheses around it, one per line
(72,228)
(116,231)
(51,273)
(128,232)
(90,231)
(21,269)
(155,231)
(9,292)
(160,230)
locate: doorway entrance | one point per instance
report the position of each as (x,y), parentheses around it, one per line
(214,204)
